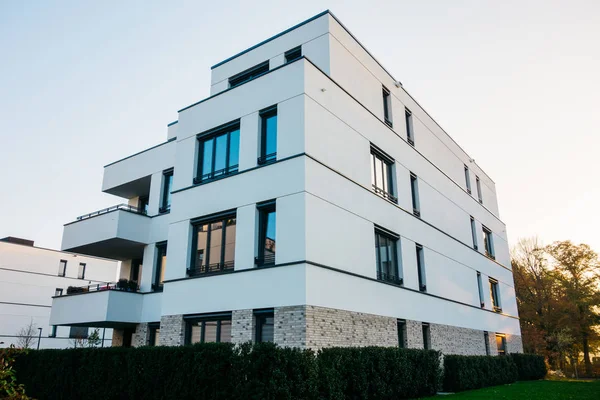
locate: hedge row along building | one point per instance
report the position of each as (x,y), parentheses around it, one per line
(309,201)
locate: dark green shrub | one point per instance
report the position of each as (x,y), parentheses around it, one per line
(473,372)
(529,366)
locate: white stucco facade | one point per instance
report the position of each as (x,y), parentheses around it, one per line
(330,114)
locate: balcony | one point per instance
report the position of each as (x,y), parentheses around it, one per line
(211,269)
(119,232)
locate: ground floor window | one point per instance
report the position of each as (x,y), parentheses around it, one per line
(401,333)
(208,328)
(486,338)
(426,337)
(78,332)
(265,325)
(501,344)
(154,337)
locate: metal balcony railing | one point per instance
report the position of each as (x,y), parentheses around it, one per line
(123,286)
(124,207)
(384,276)
(266,260)
(384,194)
(267,158)
(217,268)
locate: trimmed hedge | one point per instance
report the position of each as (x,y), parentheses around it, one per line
(529,366)
(224,371)
(474,372)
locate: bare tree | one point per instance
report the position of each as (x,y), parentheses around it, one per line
(26,335)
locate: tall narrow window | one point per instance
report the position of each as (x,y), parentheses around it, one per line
(219,152)
(58,292)
(143,202)
(421,268)
(81,271)
(265,325)
(486,339)
(213,247)
(136,270)
(161,264)
(249,74)
(414,190)
(387,106)
(474,233)
(386,255)
(267,234)
(52,331)
(410,134)
(401,323)
(293,54)
(382,174)
(62,268)
(167,185)
(468,179)
(426,336)
(479,195)
(488,243)
(501,344)
(480,288)
(268,135)
(154,336)
(208,328)
(495,295)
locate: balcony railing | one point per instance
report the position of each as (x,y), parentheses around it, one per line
(217,268)
(123,285)
(124,207)
(266,260)
(216,174)
(384,276)
(267,158)
(385,194)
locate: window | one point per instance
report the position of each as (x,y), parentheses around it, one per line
(401,323)
(161,263)
(62,268)
(414,190)
(213,246)
(143,202)
(293,54)
(479,195)
(267,220)
(382,174)
(480,288)
(501,344)
(495,295)
(410,135)
(208,328)
(165,203)
(78,332)
(136,270)
(154,336)
(386,255)
(268,135)
(387,106)
(486,339)
(421,268)
(219,153)
(474,233)
(488,243)
(249,74)
(81,271)
(426,336)
(58,292)
(468,179)
(52,331)
(265,325)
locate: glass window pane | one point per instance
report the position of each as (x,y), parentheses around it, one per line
(270,235)
(168,188)
(373,181)
(195,333)
(210,331)
(207,157)
(270,134)
(220,155)
(216,237)
(234,150)
(163,263)
(156,337)
(384,177)
(229,243)
(201,242)
(267,330)
(226,331)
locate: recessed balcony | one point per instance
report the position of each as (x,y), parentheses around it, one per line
(119,232)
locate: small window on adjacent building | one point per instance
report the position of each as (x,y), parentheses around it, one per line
(486,339)
(382,174)
(249,74)
(495,295)
(402,333)
(58,292)
(78,332)
(267,220)
(208,329)
(480,288)
(167,185)
(268,135)
(426,336)
(386,255)
(265,325)
(154,336)
(488,243)
(479,195)
(218,152)
(387,106)
(501,344)
(293,54)
(474,233)
(468,179)
(62,268)
(52,331)
(213,246)
(410,134)
(421,268)
(161,264)
(414,190)
(81,271)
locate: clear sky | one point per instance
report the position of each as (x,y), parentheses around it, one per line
(515,83)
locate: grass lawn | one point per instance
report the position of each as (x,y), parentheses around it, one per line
(534,390)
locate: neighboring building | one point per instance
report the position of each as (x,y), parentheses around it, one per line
(29,278)
(309,201)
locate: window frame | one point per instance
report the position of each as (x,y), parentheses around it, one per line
(414,193)
(58,292)
(264,209)
(81,272)
(265,158)
(401,326)
(153,328)
(474,233)
(501,350)
(160,247)
(204,318)
(72,336)
(495,295)
(387,106)
(467,179)
(486,338)
(262,315)
(53,329)
(488,242)
(480,289)
(248,74)
(410,133)
(167,176)
(378,154)
(478,184)
(383,276)
(426,330)
(213,134)
(223,217)
(64,268)
(293,54)
(421,268)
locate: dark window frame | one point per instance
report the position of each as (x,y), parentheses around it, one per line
(389,192)
(387,106)
(382,233)
(478,184)
(249,74)
(264,209)
(260,317)
(401,326)
(165,200)
(204,318)
(410,134)
(421,267)
(62,266)
(143,204)
(53,329)
(502,348)
(426,329)
(73,329)
(488,242)
(293,54)
(468,179)
(82,272)
(223,267)
(160,247)
(265,158)
(213,134)
(480,289)
(58,292)
(474,233)
(414,193)
(495,295)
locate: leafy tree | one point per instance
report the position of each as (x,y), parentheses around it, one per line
(94,339)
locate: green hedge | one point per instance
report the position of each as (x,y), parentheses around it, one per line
(474,372)
(529,366)
(224,371)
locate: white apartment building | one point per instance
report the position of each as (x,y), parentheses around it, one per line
(309,201)
(29,278)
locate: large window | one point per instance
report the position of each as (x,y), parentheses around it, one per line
(468,179)
(249,74)
(488,243)
(386,255)
(410,135)
(265,325)
(421,268)
(387,106)
(167,185)
(293,54)
(268,135)
(426,336)
(161,264)
(52,331)
(486,339)
(401,324)
(495,294)
(78,332)
(154,330)
(479,194)
(414,190)
(382,174)
(62,268)
(213,246)
(474,233)
(208,328)
(501,344)
(219,152)
(267,220)
(480,288)
(81,271)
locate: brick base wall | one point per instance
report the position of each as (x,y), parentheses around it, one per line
(172,330)
(514,344)
(290,326)
(242,326)
(455,340)
(141,337)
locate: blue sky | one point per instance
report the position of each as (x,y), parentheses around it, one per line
(515,83)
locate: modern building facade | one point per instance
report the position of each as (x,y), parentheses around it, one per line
(309,201)
(29,278)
